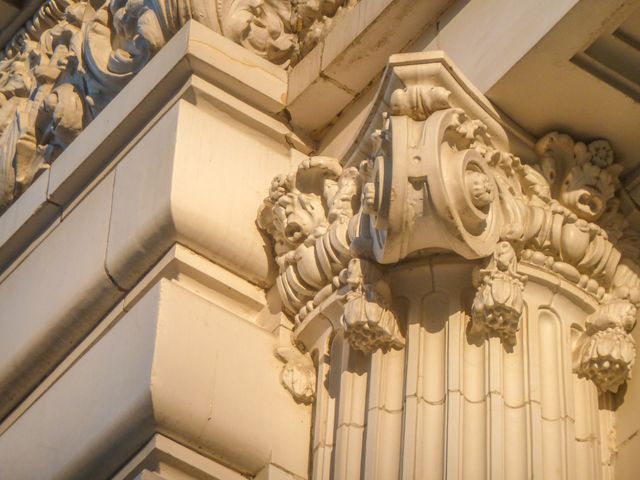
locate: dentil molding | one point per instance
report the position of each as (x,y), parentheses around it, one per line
(73,57)
(435,177)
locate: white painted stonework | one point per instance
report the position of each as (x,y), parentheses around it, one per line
(281,239)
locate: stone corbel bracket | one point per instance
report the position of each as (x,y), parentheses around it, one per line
(430,173)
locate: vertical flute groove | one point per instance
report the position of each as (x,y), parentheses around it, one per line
(350,414)
(553,411)
(515,413)
(475,435)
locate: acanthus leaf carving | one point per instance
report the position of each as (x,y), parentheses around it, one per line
(312,218)
(262,26)
(282,31)
(59,73)
(311,250)
(582,177)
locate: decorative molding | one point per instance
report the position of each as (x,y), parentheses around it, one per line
(583,178)
(435,178)
(310,214)
(59,72)
(369,322)
(298,374)
(73,57)
(498,304)
(605,352)
(282,31)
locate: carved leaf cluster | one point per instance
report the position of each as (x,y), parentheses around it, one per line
(369,322)
(582,177)
(312,215)
(605,352)
(298,374)
(282,31)
(498,304)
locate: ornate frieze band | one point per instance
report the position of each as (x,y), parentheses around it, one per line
(73,57)
(434,179)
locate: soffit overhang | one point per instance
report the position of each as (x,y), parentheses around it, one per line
(580,78)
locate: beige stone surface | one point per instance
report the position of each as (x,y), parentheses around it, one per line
(128,378)
(305,111)
(29,215)
(182,173)
(194,49)
(162,457)
(628,414)
(266,259)
(567,96)
(68,292)
(627,459)
(510,363)
(502,33)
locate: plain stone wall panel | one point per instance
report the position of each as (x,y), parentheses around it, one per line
(55,296)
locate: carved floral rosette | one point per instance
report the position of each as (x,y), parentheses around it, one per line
(434,179)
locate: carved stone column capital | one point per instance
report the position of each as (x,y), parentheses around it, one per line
(431,174)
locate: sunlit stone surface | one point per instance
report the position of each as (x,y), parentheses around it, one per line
(328,239)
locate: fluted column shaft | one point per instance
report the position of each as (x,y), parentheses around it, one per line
(457,405)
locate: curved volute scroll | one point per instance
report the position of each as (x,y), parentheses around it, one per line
(434,177)
(440,198)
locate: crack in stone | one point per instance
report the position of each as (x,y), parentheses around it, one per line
(628,439)
(337,84)
(351,424)
(386,410)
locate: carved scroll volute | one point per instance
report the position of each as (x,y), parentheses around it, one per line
(430,194)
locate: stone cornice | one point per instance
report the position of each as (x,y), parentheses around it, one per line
(72,58)
(436,177)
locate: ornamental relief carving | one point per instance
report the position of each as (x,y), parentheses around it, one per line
(73,57)
(282,31)
(434,181)
(605,352)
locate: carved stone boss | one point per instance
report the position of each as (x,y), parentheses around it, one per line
(73,57)
(434,179)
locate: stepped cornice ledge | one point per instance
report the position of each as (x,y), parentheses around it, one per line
(436,177)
